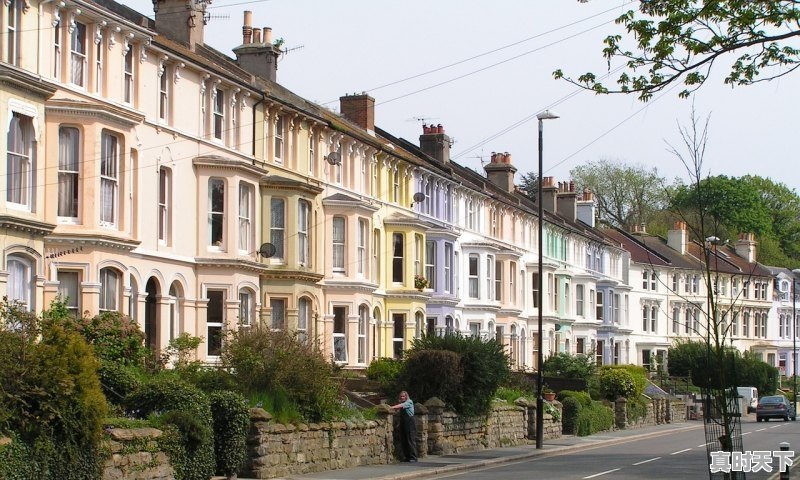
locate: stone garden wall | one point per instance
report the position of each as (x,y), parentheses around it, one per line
(660,410)
(135,456)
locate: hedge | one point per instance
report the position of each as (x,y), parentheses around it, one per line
(594,418)
(571,409)
(231,423)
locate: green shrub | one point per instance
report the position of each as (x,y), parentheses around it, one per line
(264,360)
(510,395)
(594,418)
(231,424)
(187,408)
(638,374)
(582,397)
(636,408)
(565,365)
(114,336)
(615,383)
(435,373)
(51,396)
(485,366)
(278,404)
(571,409)
(385,371)
(17,461)
(117,381)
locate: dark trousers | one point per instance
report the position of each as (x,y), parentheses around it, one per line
(408,435)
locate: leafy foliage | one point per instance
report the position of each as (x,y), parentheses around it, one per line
(385,371)
(51,393)
(187,408)
(424,381)
(572,408)
(680,41)
(231,423)
(626,195)
(263,360)
(114,336)
(692,359)
(564,365)
(594,418)
(615,383)
(484,363)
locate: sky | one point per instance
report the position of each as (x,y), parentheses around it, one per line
(484,70)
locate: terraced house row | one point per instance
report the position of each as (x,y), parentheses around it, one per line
(150,174)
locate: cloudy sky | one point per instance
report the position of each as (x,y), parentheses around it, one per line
(484,69)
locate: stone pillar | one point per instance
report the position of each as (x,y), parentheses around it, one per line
(385,414)
(528,416)
(435,445)
(621,413)
(667,410)
(421,421)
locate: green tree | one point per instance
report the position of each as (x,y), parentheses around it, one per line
(529,184)
(569,366)
(681,40)
(626,195)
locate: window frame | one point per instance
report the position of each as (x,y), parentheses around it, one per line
(78,54)
(164,205)
(303,245)
(215,323)
(216,216)
(339,244)
(219,114)
(110,301)
(128,77)
(279,133)
(23,161)
(398,258)
(277,228)
(473,274)
(246,211)
(26,293)
(110,163)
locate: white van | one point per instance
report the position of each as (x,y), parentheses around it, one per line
(750,395)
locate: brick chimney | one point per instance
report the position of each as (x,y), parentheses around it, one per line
(435,143)
(182,21)
(586,210)
(257,55)
(500,171)
(359,109)
(746,247)
(567,200)
(549,194)
(678,238)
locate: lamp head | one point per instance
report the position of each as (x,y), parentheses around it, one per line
(546,115)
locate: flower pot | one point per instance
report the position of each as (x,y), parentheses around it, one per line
(549,396)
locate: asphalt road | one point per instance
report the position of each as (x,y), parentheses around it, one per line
(679,455)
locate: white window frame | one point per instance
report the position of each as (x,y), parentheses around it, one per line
(245,217)
(216,216)
(163,94)
(398,258)
(164,205)
(110,298)
(363,323)
(473,272)
(214,325)
(280,131)
(78,52)
(579,300)
(277,315)
(339,239)
(246,308)
(303,318)
(277,227)
(339,334)
(13,16)
(109,179)
(303,215)
(430,263)
(21,281)
(361,247)
(127,77)
(219,114)
(20,162)
(71,302)
(57,51)
(448,267)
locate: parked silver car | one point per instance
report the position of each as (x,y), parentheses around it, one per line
(775,406)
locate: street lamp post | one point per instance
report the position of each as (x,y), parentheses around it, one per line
(546,115)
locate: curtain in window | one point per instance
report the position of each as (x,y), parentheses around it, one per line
(278,224)
(109,289)
(108,179)
(78,53)
(338,243)
(68,172)
(19,283)
(244,218)
(278,314)
(18,167)
(302,232)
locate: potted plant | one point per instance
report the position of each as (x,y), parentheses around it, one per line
(548,393)
(420,282)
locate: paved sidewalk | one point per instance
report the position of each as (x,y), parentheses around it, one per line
(437,465)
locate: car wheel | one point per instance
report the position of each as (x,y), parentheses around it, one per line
(786,418)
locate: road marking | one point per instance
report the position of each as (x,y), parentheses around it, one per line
(645,461)
(746,433)
(761,429)
(702,445)
(601,473)
(680,451)
(776,426)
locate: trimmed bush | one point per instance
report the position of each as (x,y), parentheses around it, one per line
(187,408)
(114,336)
(594,418)
(615,383)
(484,363)
(117,381)
(565,365)
(636,408)
(582,397)
(231,424)
(571,410)
(435,373)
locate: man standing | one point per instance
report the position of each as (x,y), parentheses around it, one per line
(408,428)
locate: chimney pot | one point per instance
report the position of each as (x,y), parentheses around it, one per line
(256,35)
(247,29)
(571,186)
(508,158)
(439,128)
(267,35)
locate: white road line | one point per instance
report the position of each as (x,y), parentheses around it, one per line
(680,451)
(776,426)
(746,433)
(702,445)
(601,473)
(645,461)
(761,429)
